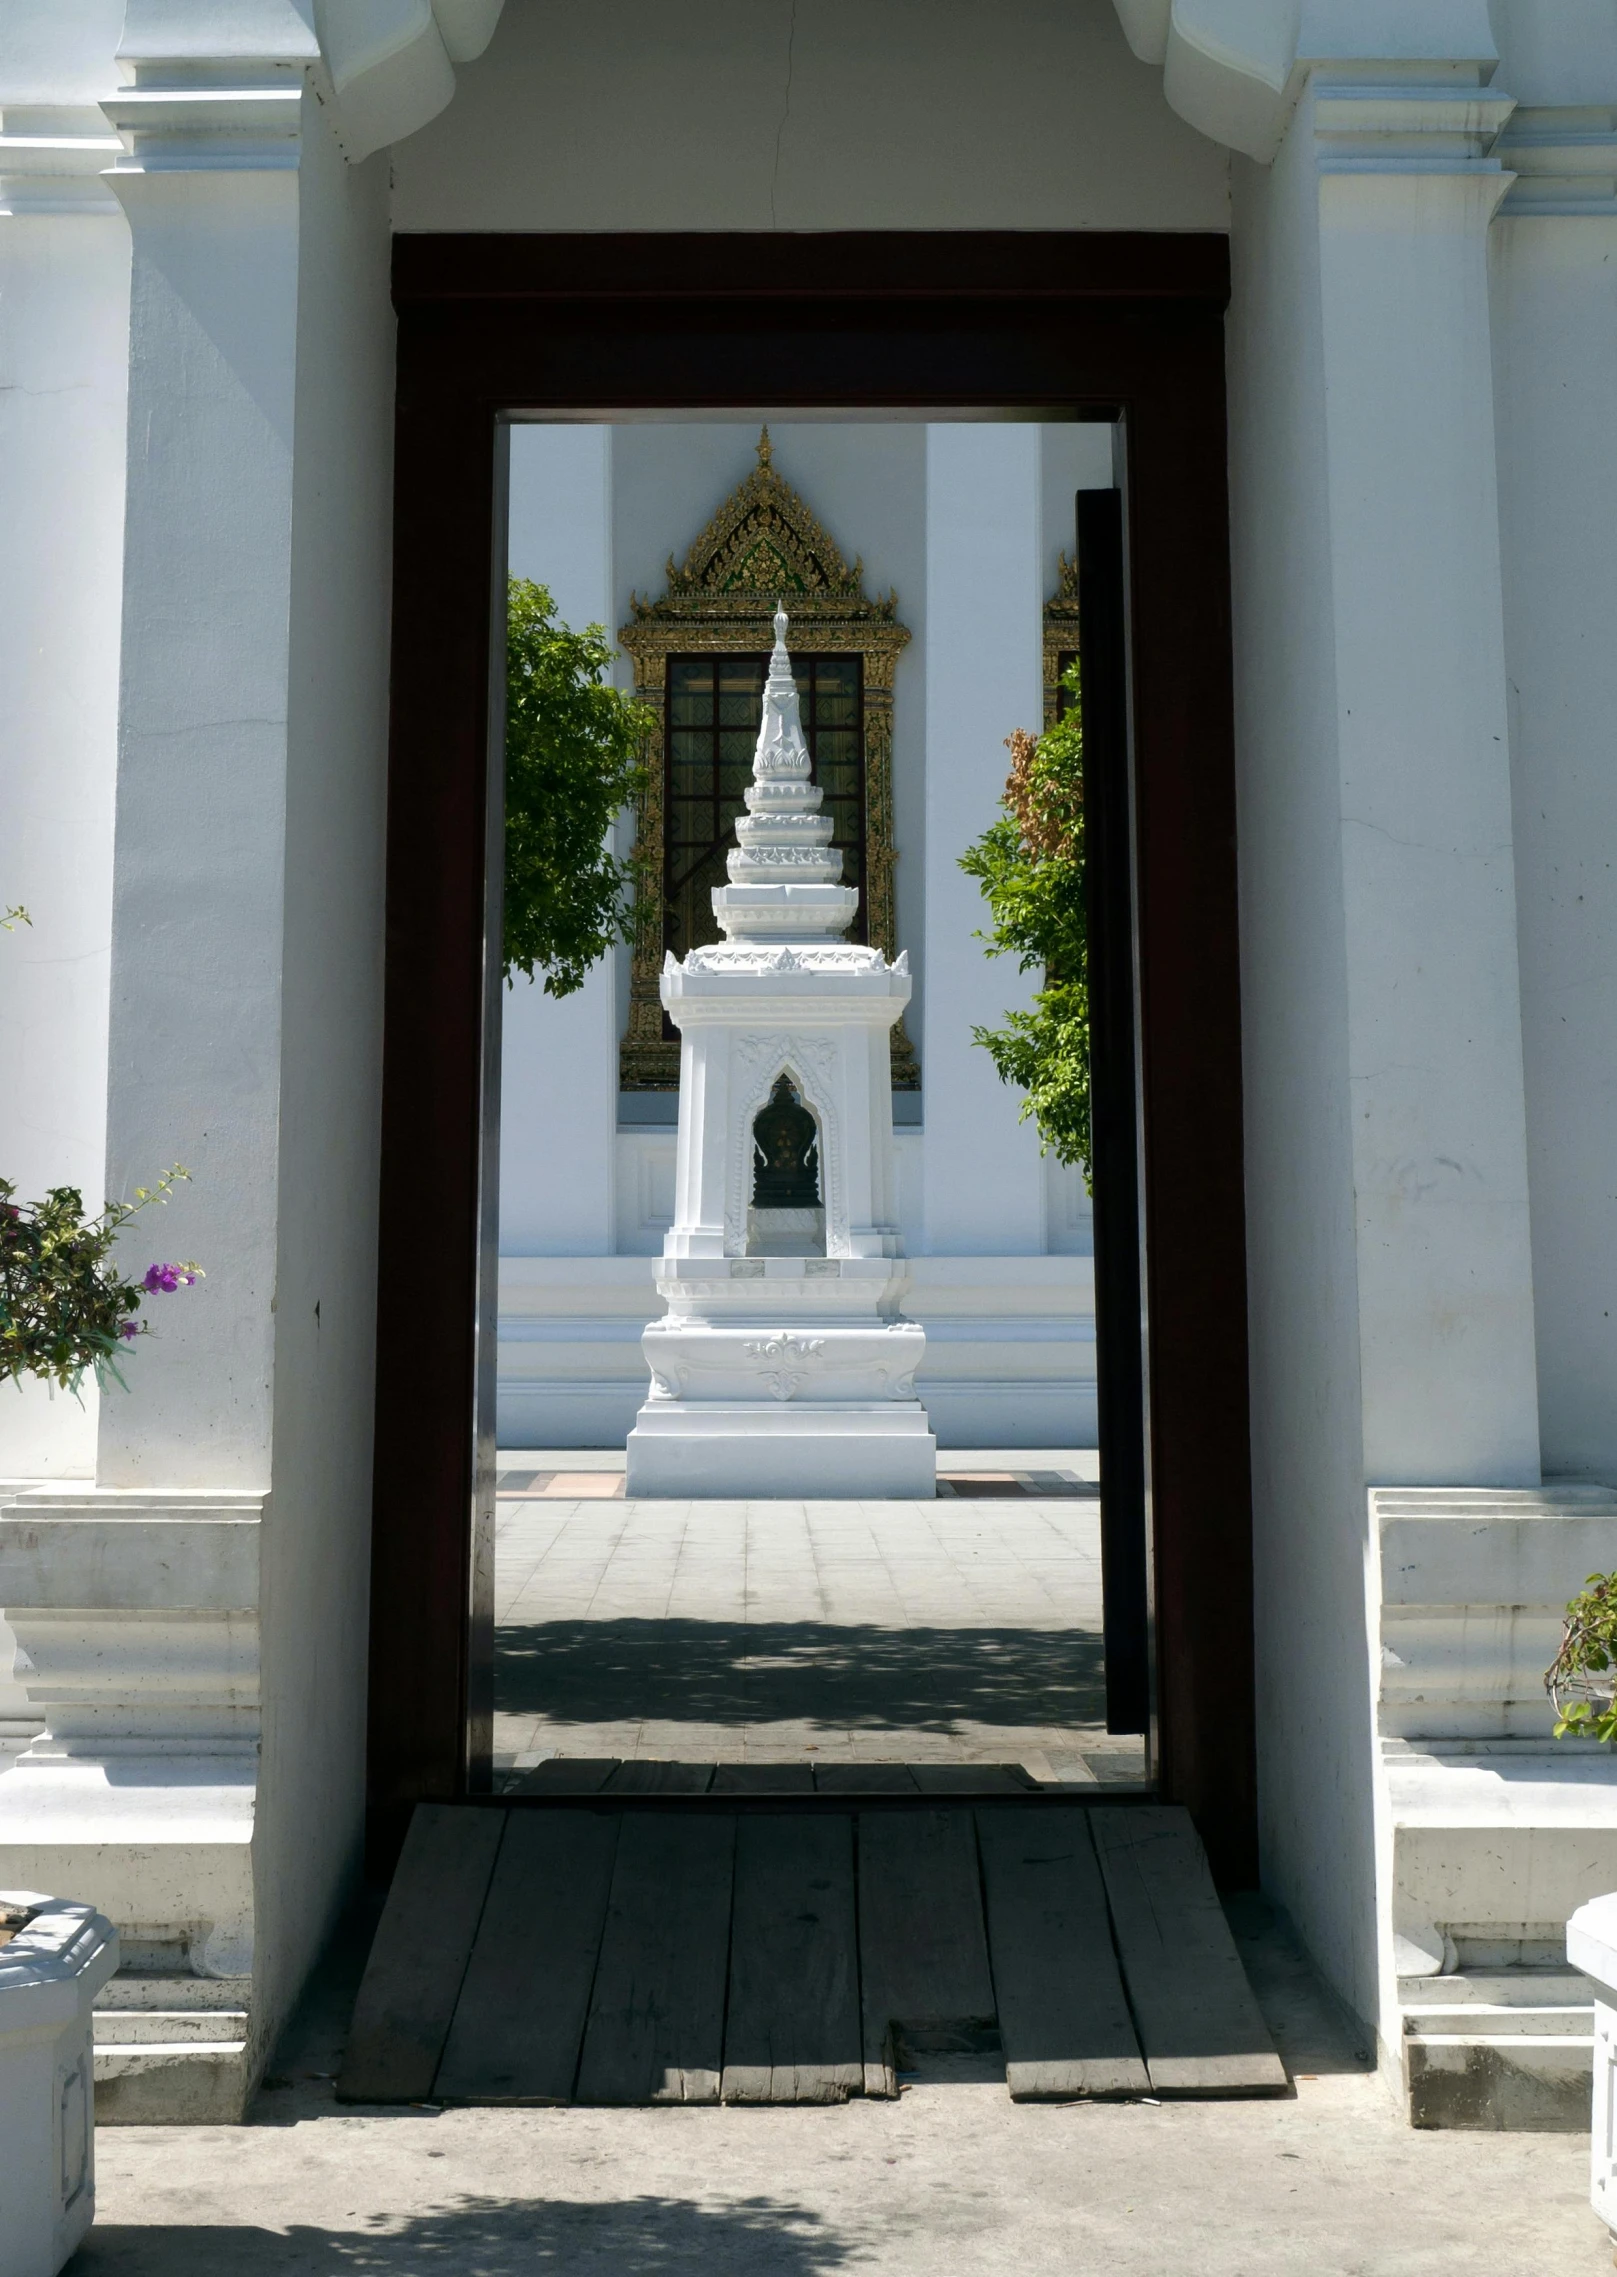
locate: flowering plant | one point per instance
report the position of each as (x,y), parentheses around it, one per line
(65,1309)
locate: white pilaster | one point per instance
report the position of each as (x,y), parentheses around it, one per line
(1438,1137)
(1388,1260)
(201,844)
(983,1183)
(1554,285)
(64,285)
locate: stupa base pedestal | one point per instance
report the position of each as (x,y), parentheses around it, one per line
(736,1449)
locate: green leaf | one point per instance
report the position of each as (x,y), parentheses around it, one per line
(1030,867)
(573,746)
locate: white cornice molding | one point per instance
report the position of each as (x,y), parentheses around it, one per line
(1564,161)
(219,84)
(51,160)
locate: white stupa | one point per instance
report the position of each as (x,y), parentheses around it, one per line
(782,1364)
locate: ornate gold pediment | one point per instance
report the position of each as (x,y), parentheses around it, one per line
(762,540)
(763,546)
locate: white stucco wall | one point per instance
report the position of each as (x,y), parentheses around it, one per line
(758,114)
(984,678)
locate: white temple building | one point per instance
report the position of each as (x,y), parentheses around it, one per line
(929,573)
(318,316)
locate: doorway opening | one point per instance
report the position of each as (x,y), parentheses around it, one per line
(774,1635)
(969,336)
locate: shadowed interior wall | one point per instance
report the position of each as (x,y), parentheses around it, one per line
(762,114)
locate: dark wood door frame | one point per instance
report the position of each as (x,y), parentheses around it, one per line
(1127,326)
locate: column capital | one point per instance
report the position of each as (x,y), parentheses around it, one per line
(1408,122)
(1235,69)
(170,121)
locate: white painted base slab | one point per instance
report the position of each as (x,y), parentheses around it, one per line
(735,1448)
(1010,1354)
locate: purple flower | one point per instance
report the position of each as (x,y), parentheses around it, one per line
(163,1277)
(130,1328)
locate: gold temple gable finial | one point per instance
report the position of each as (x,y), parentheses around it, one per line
(766,449)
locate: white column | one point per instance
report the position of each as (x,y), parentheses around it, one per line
(1555,340)
(1437,1117)
(982,1180)
(64,287)
(559,1056)
(198,918)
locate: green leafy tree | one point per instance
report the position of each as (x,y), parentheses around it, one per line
(1030,866)
(572,764)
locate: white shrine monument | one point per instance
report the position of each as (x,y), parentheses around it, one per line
(783,1365)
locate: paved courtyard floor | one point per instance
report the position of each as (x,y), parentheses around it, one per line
(965,1630)
(953,2180)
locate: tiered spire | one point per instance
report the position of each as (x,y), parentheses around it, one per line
(784,872)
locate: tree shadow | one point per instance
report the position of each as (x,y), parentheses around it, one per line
(492,2237)
(717,1672)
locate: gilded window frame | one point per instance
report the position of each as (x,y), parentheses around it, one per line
(761,549)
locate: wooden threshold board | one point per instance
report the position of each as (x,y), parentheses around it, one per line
(613,1778)
(652,1942)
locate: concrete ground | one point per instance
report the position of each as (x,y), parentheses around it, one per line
(957,1631)
(951,2181)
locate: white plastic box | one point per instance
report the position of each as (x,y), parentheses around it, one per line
(56,1958)
(1591,1945)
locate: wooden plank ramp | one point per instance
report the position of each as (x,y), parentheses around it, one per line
(974,1779)
(648,1777)
(763,1779)
(418,1958)
(565,1775)
(864,1779)
(768,1951)
(656,2022)
(791,2030)
(1201,2031)
(1064,2018)
(922,1948)
(519,2023)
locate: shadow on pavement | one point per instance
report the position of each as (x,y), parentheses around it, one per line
(492,2237)
(923,1679)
